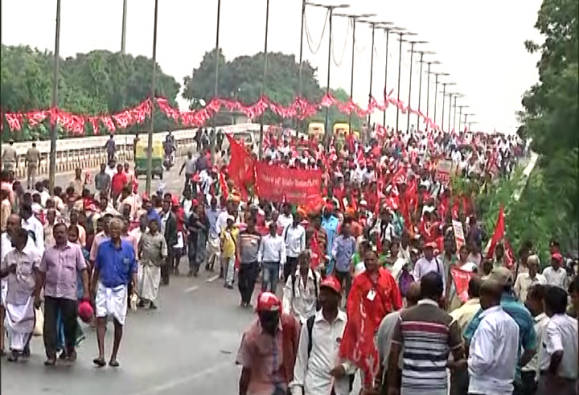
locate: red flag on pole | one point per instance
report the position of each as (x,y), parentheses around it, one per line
(241,166)
(498,234)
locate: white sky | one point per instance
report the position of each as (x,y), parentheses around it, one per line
(480,43)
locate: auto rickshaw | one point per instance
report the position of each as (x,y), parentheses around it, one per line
(157,154)
(317,130)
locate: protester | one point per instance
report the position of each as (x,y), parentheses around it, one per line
(152,252)
(496,335)
(428,335)
(268,349)
(318,369)
(111,148)
(294,236)
(386,331)
(535,301)
(271,256)
(248,254)
(229,250)
(169,230)
(59,279)
(374,294)
(559,354)
(19,269)
(429,263)
(33,226)
(115,266)
(526,334)
(342,252)
(526,280)
(300,294)
(556,275)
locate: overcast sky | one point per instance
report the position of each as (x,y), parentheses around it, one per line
(480,43)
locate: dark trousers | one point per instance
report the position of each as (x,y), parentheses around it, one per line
(459,382)
(289,268)
(247,276)
(167,267)
(68,313)
(345,279)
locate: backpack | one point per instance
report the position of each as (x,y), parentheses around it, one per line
(310,326)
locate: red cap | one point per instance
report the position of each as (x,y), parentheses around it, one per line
(557,256)
(175,201)
(332,283)
(85,311)
(267,301)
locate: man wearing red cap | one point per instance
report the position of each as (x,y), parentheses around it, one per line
(556,275)
(318,369)
(268,349)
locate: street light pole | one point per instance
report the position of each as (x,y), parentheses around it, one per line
(401,35)
(444,85)
(124,27)
(454,113)
(264,76)
(422,53)
(216,87)
(152,125)
(53,131)
(387,31)
(353,19)
(303,18)
(412,44)
(460,115)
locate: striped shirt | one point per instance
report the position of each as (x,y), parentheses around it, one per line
(249,246)
(427,334)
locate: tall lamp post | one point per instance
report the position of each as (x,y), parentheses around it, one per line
(331,9)
(428,73)
(444,85)
(401,35)
(53,132)
(216,87)
(456,96)
(436,75)
(124,27)
(412,44)
(466,115)
(373,26)
(353,20)
(460,115)
(264,75)
(152,125)
(387,30)
(421,61)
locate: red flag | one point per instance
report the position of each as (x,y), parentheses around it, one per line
(509,254)
(461,279)
(223,186)
(498,234)
(241,166)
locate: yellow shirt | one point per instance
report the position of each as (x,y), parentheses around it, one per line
(464,314)
(229,242)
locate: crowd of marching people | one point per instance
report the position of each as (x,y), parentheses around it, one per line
(366,274)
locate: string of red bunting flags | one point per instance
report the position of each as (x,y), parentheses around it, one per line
(300,108)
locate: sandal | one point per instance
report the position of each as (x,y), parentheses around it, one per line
(99,362)
(50,362)
(114,363)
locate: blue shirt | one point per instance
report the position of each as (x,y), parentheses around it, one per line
(330,225)
(115,265)
(523,318)
(212,218)
(153,214)
(342,251)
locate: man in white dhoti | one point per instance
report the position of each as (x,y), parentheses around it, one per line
(115,266)
(19,267)
(152,253)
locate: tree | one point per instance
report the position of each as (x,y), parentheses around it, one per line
(550,118)
(242,79)
(92,83)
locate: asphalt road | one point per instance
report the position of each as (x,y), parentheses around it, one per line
(187,346)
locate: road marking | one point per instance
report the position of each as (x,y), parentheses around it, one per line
(211,279)
(191,289)
(161,388)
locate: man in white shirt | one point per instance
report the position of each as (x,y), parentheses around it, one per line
(496,335)
(429,263)
(34,227)
(285,218)
(300,294)
(527,280)
(535,303)
(271,255)
(555,274)
(294,236)
(559,362)
(318,369)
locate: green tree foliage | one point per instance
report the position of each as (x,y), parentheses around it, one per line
(242,77)
(548,207)
(97,82)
